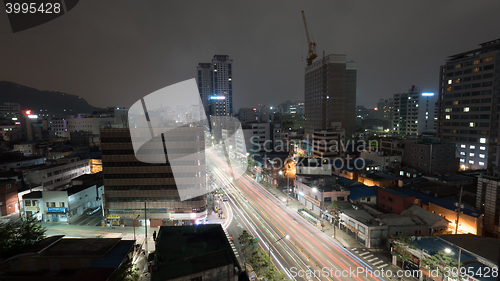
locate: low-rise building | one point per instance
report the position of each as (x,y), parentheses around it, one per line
(9,203)
(362,194)
(384,160)
(200,252)
(313,166)
(68,204)
(470,218)
(55,174)
(393,201)
(56,258)
(317,192)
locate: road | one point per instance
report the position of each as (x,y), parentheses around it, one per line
(308,251)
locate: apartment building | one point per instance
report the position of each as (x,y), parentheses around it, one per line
(468,104)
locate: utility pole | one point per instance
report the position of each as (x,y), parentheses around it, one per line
(459,208)
(146,227)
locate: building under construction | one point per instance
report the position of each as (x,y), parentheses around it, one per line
(330,94)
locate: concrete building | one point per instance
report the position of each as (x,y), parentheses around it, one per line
(330,94)
(471,219)
(246,114)
(91,124)
(328,143)
(385,109)
(130,184)
(384,160)
(9,203)
(56,258)
(414,113)
(487,201)
(393,201)
(313,166)
(200,252)
(215,84)
(316,193)
(11,112)
(17,160)
(468,112)
(363,227)
(65,205)
(431,156)
(56,174)
(257,138)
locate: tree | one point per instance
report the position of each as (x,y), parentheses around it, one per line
(246,244)
(18,234)
(401,245)
(260,261)
(444,263)
(335,211)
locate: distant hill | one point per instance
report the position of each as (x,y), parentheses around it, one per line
(53,102)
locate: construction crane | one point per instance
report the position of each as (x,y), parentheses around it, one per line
(311,53)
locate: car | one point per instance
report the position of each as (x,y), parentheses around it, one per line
(224,199)
(93,211)
(232,238)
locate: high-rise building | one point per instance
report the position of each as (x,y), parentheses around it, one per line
(328,143)
(468,104)
(487,198)
(414,113)
(216,86)
(330,94)
(129,184)
(384,109)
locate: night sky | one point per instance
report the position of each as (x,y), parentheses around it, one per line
(114,52)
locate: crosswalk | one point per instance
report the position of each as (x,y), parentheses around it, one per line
(369,258)
(232,244)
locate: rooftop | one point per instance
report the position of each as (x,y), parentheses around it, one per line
(359,191)
(80,247)
(396,193)
(184,250)
(447,203)
(488,248)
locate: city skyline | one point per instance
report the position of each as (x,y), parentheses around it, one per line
(128,57)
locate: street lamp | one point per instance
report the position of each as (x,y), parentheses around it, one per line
(286,236)
(448,251)
(133,223)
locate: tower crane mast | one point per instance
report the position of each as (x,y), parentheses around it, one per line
(311,53)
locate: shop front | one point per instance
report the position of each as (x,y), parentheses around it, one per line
(56,214)
(178,219)
(113,220)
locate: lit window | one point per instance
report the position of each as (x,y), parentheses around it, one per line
(471,154)
(471,162)
(462,160)
(457,80)
(472,124)
(466,109)
(481,156)
(462,146)
(462,153)
(481,163)
(448,89)
(482,147)
(475,69)
(450,81)
(472,147)
(447,110)
(458,65)
(488,59)
(477,61)
(455,102)
(482,140)
(447,116)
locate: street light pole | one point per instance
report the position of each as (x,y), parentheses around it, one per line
(269,245)
(133,223)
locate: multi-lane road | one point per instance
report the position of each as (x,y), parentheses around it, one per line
(308,254)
